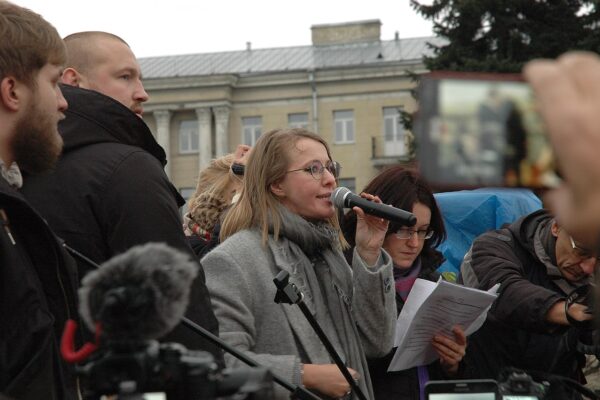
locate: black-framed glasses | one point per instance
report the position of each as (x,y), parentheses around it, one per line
(582,252)
(407,234)
(316,169)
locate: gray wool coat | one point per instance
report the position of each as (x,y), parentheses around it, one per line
(239,276)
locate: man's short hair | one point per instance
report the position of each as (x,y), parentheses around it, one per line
(81,49)
(28,42)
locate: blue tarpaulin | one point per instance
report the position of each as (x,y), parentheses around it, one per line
(469,213)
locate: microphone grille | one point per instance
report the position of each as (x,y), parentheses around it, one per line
(338,195)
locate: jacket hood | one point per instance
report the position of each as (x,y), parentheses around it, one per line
(525,229)
(95,118)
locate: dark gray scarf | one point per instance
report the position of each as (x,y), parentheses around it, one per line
(327,278)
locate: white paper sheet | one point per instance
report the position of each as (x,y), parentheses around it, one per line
(432,308)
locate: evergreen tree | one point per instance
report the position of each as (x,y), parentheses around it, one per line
(502,35)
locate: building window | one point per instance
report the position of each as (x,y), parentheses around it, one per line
(344,126)
(393,132)
(299,120)
(188,136)
(349,183)
(251,129)
(186,193)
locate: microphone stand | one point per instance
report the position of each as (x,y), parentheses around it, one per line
(297,391)
(290,294)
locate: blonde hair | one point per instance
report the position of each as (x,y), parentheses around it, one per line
(215,178)
(210,200)
(268,163)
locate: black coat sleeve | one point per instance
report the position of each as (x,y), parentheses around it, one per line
(521,303)
(140,207)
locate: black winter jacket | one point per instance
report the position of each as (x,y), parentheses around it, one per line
(109,192)
(516,333)
(37,295)
(402,385)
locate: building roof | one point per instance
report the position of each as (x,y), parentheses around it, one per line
(288,58)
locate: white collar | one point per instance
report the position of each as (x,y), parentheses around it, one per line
(12,174)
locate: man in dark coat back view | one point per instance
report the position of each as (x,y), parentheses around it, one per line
(37,278)
(109,191)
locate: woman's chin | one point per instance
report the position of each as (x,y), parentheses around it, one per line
(402,264)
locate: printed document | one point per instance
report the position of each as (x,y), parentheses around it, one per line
(432,308)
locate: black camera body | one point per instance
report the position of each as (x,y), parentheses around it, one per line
(519,385)
(131,369)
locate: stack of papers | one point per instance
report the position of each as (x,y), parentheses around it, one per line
(434,308)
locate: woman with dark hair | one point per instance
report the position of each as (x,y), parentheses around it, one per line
(414,255)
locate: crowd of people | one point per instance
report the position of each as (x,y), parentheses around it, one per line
(79,169)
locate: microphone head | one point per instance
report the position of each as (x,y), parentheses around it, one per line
(140,294)
(338,196)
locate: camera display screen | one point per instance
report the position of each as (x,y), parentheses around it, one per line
(146,396)
(477,130)
(515,397)
(474,389)
(462,396)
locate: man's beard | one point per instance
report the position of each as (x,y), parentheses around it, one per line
(36,145)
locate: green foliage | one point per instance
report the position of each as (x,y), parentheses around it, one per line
(502,35)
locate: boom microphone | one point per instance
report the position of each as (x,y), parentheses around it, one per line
(343,198)
(138,295)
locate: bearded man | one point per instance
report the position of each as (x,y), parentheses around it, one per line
(37,279)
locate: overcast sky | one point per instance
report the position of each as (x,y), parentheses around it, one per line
(157,28)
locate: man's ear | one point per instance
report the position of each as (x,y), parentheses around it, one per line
(71,77)
(277,190)
(554,229)
(9,93)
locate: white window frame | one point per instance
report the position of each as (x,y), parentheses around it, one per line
(348,182)
(398,133)
(398,129)
(343,126)
(298,124)
(186,137)
(253,127)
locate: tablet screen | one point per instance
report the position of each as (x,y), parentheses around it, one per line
(462,396)
(482,389)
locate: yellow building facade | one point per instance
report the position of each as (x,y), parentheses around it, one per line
(348,86)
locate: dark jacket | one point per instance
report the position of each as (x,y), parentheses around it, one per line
(516,333)
(202,246)
(402,385)
(37,295)
(109,192)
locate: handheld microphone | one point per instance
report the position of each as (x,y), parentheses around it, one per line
(343,198)
(138,295)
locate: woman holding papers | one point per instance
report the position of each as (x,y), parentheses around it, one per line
(414,255)
(284,220)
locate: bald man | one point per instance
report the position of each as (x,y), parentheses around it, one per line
(109,191)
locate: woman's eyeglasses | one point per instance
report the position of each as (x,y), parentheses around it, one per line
(407,234)
(316,169)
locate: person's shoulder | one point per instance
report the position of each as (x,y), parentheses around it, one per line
(242,240)
(242,247)
(501,235)
(493,243)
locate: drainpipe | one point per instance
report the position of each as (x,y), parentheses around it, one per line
(313,86)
